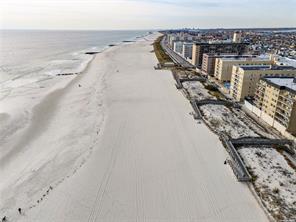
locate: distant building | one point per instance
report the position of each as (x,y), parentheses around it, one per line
(230,48)
(223,66)
(187,50)
(173,38)
(237,37)
(275,97)
(244,78)
(178,47)
(181,36)
(186,37)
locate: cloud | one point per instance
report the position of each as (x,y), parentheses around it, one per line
(145,14)
(202,4)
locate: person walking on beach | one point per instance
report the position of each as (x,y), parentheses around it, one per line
(20,210)
(4,219)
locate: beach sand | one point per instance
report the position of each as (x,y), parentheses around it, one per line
(134,151)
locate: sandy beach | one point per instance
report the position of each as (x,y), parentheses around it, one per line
(118,143)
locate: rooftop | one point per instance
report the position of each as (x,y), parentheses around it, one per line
(220,43)
(283,82)
(215,55)
(188,43)
(266,67)
(245,58)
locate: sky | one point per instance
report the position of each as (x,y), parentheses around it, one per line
(145,14)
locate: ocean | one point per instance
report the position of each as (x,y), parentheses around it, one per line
(28,56)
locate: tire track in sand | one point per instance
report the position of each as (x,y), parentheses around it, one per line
(96,210)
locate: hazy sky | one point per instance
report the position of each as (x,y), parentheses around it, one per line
(145,14)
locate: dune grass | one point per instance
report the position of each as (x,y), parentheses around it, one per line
(159,52)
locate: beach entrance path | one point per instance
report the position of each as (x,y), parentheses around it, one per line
(153,162)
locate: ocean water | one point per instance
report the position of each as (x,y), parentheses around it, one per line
(30,56)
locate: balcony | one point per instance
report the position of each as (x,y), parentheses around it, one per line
(282,115)
(281,121)
(286,102)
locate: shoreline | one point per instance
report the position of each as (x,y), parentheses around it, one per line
(52,74)
(68,82)
(34,129)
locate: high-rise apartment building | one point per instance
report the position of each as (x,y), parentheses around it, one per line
(187,50)
(276,98)
(244,78)
(199,49)
(223,66)
(237,37)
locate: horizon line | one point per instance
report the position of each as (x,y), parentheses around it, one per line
(152,29)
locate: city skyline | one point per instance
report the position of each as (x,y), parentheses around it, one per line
(144,14)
